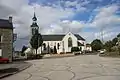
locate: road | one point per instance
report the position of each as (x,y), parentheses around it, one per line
(83,67)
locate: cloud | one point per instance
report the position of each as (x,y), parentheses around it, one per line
(64,26)
(22,14)
(106,17)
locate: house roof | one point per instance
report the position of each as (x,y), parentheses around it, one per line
(79,37)
(58,37)
(88,45)
(52,37)
(5,24)
(79,44)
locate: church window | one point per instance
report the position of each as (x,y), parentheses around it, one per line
(69,42)
(32,31)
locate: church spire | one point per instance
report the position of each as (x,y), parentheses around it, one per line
(34,17)
(34,26)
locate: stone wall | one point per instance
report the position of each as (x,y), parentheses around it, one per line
(7,43)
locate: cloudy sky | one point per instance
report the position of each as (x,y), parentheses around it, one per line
(84,17)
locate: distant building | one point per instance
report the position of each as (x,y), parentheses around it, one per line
(6,38)
(88,47)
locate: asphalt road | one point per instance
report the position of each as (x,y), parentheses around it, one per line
(83,67)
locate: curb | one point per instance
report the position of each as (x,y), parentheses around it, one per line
(9,74)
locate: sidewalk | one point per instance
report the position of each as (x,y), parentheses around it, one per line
(12,68)
(57,55)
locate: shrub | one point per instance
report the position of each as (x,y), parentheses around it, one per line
(34,56)
(114,49)
(75,49)
(22,54)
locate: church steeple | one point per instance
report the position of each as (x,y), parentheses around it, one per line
(34,17)
(34,26)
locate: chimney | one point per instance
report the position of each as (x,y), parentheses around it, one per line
(10,19)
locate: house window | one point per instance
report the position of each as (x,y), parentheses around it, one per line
(0,38)
(69,42)
(1,42)
(44,46)
(32,31)
(58,45)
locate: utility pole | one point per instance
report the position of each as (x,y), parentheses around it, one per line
(102,35)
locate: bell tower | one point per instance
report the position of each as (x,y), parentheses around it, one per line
(34,26)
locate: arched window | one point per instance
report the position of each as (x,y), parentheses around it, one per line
(44,46)
(58,45)
(69,42)
(32,31)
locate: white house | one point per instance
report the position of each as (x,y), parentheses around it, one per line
(88,47)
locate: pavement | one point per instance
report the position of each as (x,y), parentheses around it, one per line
(82,67)
(12,68)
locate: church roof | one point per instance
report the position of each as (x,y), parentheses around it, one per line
(58,37)
(79,44)
(5,24)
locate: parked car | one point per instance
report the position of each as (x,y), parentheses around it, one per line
(102,51)
(77,53)
(4,60)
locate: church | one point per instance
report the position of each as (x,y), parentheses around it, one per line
(61,42)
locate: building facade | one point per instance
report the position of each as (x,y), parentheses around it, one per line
(6,38)
(62,43)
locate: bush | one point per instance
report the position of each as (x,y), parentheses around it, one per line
(22,54)
(34,56)
(75,49)
(114,49)
(38,56)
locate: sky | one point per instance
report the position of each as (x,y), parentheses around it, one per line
(84,17)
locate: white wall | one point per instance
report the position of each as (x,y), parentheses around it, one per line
(0,52)
(83,47)
(89,48)
(74,41)
(52,44)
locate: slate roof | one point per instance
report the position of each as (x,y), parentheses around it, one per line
(58,37)
(88,45)
(79,44)
(5,24)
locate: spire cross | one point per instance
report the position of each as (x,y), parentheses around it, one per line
(34,9)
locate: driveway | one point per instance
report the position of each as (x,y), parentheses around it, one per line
(83,67)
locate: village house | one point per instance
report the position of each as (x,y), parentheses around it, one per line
(6,38)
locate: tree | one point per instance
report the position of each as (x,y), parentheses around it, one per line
(23,49)
(36,41)
(118,36)
(96,45)
(114,41)
(75,49)
(108,45)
